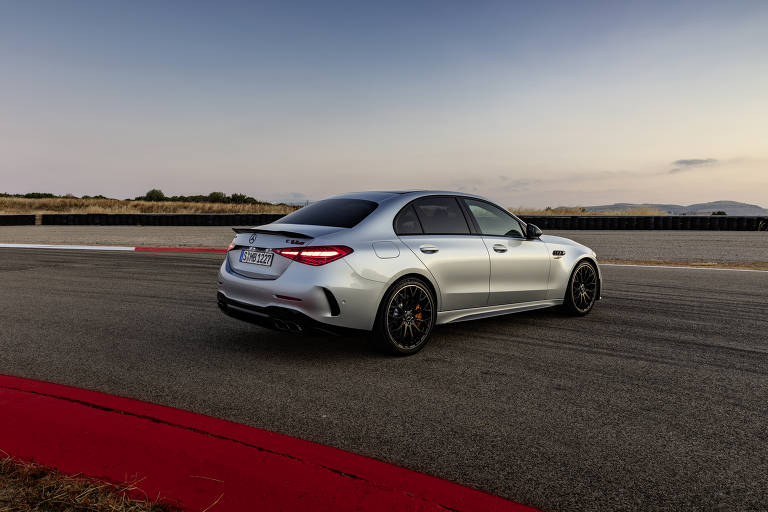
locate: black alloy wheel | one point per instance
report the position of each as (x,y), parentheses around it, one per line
(582,289)
(406,317)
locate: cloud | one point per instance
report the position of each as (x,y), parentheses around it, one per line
(691,163)
(501,183)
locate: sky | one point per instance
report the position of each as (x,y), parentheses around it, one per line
(532,104)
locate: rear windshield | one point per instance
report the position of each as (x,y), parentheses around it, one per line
(339,213)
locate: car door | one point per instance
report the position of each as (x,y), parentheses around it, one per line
(436,229)
(519,266)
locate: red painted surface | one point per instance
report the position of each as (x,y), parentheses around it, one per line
(194,460)
(178,249)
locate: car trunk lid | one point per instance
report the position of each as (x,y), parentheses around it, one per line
(263,239)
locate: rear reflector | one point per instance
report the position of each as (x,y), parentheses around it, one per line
(319,255)
(288,297)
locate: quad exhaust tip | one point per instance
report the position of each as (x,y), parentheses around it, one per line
(287,325)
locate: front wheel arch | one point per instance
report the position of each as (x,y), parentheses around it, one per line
(593,262)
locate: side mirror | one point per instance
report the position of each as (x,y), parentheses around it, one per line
(532,231)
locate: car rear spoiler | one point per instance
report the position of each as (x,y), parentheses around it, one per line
(290,234)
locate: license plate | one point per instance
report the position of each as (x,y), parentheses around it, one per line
(256,257)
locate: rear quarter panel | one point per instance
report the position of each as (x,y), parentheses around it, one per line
(369,265)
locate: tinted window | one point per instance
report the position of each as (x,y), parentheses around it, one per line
(493,220)
(340,213)
(407,223)
(441,216)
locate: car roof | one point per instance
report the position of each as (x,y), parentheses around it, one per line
(379,196)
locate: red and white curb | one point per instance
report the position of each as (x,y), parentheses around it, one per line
(124,248)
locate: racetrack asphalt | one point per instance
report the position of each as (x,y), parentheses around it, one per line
(734,248)
(654,401)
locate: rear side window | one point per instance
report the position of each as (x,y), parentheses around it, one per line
(406,222)
(441,216)
(339,213)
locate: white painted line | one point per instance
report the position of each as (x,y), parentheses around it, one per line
(69,247)
(682,267)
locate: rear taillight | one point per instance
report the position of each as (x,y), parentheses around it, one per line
(231,246)
(319,255)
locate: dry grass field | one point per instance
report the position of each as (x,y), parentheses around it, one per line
(26,486)
(575,210)
(74,205)
(21,205)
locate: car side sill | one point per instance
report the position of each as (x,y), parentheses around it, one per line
(463,315)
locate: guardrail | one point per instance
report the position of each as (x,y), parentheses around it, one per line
(545,222)
(17,220)
(667,222)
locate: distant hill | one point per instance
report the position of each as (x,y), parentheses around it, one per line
(733,208)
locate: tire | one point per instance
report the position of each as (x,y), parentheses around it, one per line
(406,317)
(583,286)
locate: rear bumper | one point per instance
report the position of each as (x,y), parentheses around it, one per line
(275,317)
(333,297)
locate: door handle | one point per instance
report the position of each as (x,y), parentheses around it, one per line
(499,248)
(428,249)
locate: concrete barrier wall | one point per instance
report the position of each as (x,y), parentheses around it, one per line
(545,222)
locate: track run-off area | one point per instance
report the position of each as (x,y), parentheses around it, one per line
(654,401)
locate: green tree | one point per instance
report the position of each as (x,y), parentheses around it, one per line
(153,195)
(217,197)
(39,195)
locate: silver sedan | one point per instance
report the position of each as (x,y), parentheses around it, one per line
(398,263)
